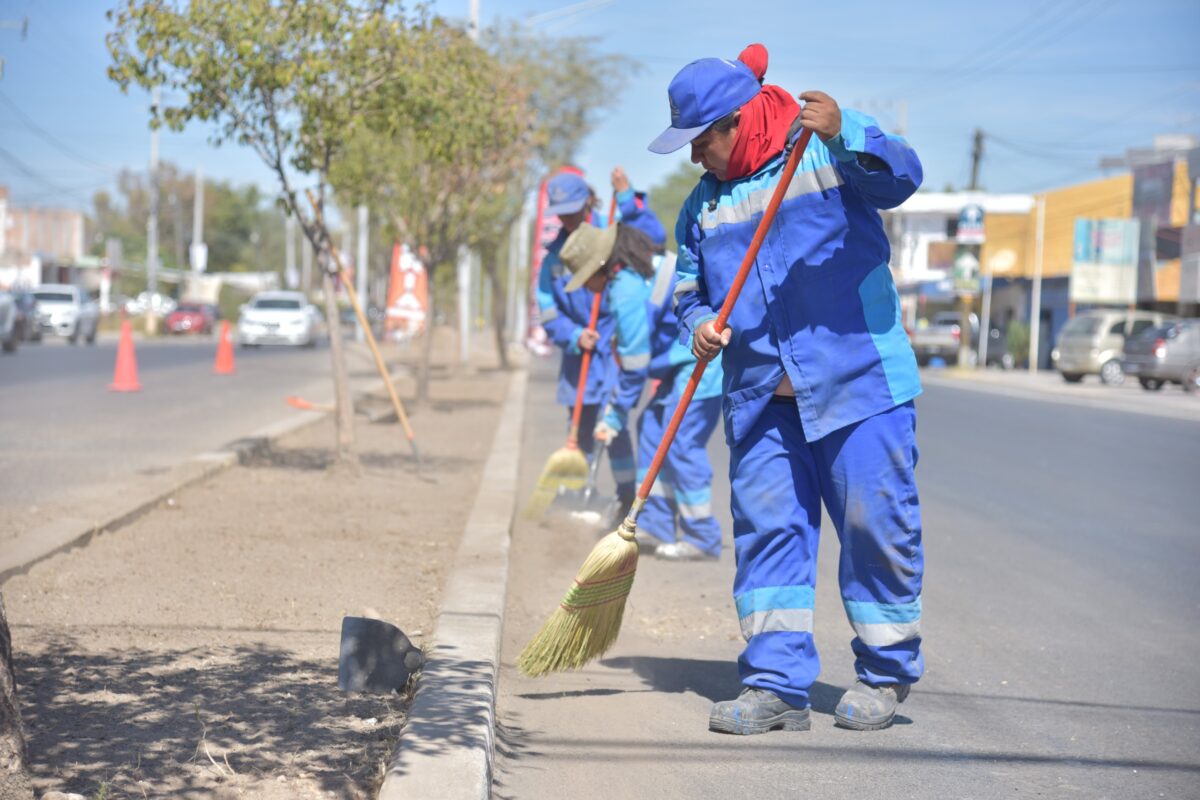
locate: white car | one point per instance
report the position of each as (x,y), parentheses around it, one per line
(278,318)
(67,311)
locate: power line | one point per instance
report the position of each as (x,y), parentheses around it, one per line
(1050,31)
(1012,34)
(48,137)
(26,171)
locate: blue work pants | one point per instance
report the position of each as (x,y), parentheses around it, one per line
(864,474)
(682,496)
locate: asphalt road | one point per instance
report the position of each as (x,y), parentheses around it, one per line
(65,440)
(1060,608)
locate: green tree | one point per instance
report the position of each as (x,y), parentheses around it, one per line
(452,181)
(570,84)
(294,81)
(242,228)
(504,111)
(666,197)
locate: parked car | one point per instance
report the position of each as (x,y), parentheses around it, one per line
(278,318)
(67,311)
(192,318)
(27,316)
(1167,354)
(941,336)
(10,331)
(1092,343)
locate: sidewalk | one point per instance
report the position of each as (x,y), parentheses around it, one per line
(193,652)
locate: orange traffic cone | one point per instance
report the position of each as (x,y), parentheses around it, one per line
(125,377)
(224,362)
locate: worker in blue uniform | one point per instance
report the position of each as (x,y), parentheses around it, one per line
(565,315)
(638,282)
(819,382)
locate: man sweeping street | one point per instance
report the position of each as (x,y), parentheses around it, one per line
(819,383)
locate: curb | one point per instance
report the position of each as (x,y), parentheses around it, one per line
(63,534)
(448,742)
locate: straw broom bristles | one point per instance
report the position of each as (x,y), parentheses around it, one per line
(567,468)
(586,623)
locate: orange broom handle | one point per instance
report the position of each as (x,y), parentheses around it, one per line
(573,439)
(726,308)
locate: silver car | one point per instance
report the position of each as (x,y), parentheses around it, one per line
(278,318)
(1092,343)
(1167,354)
(67,311)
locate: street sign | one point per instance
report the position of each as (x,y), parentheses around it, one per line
(1104,267)
(198,254)
(966,272)
(970,225)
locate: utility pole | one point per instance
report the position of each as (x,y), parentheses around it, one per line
(360,273)
(976,158)
(152,222)
(966,348)
(306,265)
(1035,305)
(464,305)
(177,214)
(466,260)
(290,276)
(199,252)
(510,300)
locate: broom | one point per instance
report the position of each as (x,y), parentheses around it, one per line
(587,620)
(567,467)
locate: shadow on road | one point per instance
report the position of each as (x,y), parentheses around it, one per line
(712,680)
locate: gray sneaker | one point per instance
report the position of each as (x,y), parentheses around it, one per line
(682,551)
(870,708)
(757,711)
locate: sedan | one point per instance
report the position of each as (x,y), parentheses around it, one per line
(191,318)
(278,318)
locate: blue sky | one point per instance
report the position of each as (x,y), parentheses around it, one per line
(1056,84)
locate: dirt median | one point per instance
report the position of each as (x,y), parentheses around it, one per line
(194,652)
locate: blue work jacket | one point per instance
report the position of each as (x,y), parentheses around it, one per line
(820,304)
(564,316)
(634,211)
(647,335)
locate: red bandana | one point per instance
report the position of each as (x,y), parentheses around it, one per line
(762,131)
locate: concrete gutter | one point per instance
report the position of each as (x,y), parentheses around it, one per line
(62,534)
(447,745)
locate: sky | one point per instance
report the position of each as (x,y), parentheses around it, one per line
(1054,84)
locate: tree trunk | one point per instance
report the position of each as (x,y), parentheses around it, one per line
(14,779)
(499,311)
(342,399)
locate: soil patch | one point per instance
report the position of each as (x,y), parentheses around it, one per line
(194,652)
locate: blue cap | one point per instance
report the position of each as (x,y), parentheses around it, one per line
(702,93)
(566,193)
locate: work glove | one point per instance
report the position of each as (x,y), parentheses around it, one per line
(611,423)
